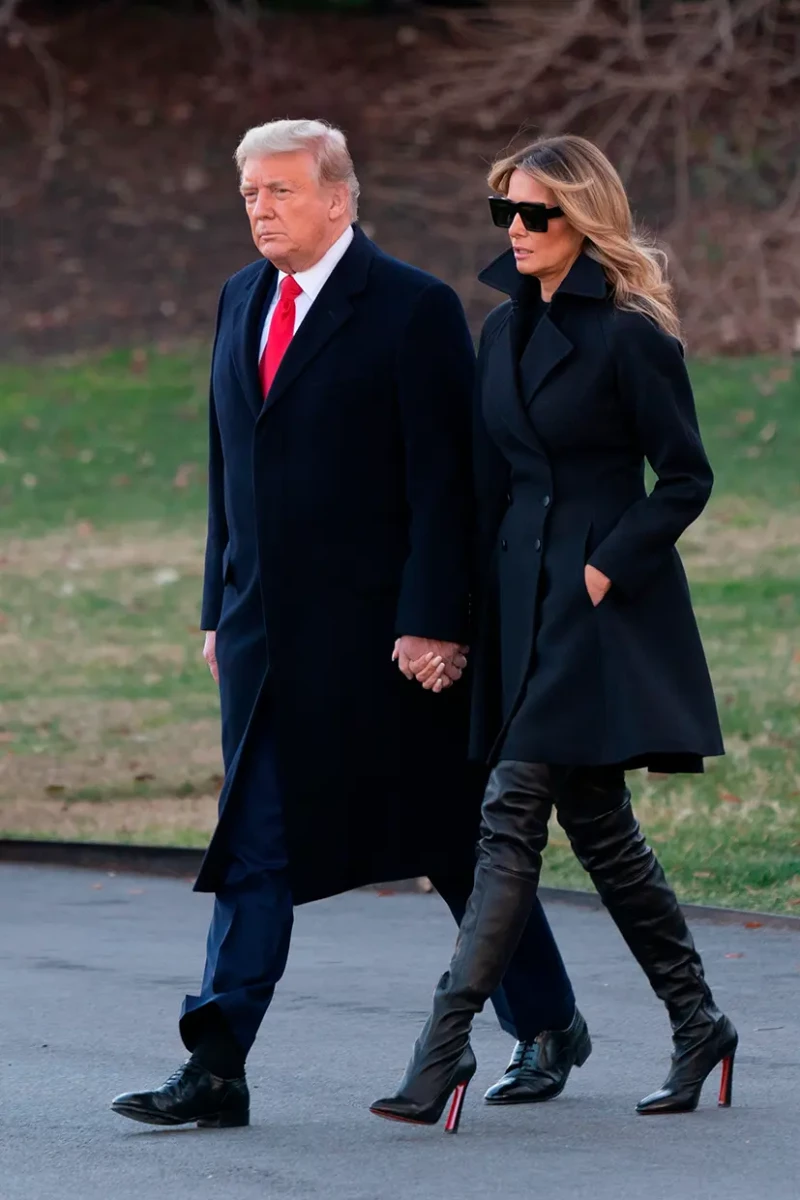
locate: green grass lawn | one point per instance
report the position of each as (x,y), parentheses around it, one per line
(108,718)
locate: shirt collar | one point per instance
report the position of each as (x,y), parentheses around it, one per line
(314,279)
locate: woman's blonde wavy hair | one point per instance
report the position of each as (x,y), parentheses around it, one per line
(591,193)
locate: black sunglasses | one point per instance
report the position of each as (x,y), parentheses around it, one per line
(534,216)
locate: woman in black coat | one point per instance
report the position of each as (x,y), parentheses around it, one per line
(588,660)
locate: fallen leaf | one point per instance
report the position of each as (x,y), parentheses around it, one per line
(84,528)
(138,363)
(97,887)
(795,901)
(729,797)
(136,891)
(86,456)
(183,475)
(754,924)
(32,423)
(29,481)
(739,955)
(165,576)
(781,374)
(143,777)
(769,431)
(55,789)
(7,736)
(703,874)
(744,416)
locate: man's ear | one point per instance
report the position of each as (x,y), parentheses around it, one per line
(340,201)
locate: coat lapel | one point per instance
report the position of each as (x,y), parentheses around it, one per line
(505,397)
(331,309)
(546,349)
(248,321)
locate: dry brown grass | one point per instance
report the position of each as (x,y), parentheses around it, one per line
(157,821)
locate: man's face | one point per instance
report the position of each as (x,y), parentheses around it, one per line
(293,217)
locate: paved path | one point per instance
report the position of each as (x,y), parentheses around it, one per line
(92,969)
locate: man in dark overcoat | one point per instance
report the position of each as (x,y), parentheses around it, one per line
(339,534)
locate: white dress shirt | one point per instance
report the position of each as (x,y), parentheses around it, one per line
(311,281)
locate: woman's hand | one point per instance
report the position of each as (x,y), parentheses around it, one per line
(436,665)
(436,673)
(597,584)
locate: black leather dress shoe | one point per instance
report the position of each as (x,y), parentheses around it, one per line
(540,1069)
(191,1095)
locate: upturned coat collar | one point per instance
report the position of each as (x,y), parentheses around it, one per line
(586,278)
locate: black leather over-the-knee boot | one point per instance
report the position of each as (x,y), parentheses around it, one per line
(516,808)
(605,835)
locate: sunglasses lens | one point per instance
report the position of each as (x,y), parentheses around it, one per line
(502,212)
(534,217)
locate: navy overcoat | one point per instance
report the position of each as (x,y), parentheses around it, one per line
(340,516)
(564,423)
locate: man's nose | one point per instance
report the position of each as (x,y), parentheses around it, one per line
(265,205)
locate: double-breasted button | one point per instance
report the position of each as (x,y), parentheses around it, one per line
(546,502)
(504,544)
(537,545)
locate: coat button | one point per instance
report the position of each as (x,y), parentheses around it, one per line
(537,545)
(509,499)
(504,544)
(546,501)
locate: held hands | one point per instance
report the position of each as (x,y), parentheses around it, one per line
(597,584)
(436,665)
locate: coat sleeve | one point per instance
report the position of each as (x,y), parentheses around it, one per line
(217,535)
(435,374)
(655,387)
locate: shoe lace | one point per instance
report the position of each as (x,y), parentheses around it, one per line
(526,1054)
(177,1073)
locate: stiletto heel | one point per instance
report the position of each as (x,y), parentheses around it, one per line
(454,1116)
(411,1106)
(726,1083)
(694,1059)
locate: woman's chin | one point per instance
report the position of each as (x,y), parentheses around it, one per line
(525,264)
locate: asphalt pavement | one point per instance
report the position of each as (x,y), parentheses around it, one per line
(93,968)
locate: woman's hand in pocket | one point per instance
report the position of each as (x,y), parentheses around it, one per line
(597,584)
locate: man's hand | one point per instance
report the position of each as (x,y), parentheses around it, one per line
(597,584)
(436,665)
(210,654)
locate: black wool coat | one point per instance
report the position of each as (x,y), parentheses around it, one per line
(340,516)
(563,425)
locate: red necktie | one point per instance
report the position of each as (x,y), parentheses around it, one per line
(281,331)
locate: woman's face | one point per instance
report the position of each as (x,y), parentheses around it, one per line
(545,255)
